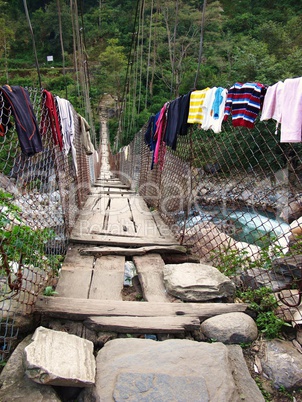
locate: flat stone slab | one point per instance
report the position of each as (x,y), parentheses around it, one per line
(57,358)
(147,387)
(15,386)
(197,282)
(135,370)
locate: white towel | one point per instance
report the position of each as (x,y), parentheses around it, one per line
(291,109)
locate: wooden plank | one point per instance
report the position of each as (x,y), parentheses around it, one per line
(150,272)
(74,260)
(74,283)
(143,220)
(101,204)
(112,185)
(109,240)
(120,217)
(161,225)
(90,202)
(80,309)
(88,222)
(99,251)
(111,191)
(108,278)
(143,325)
(75,276)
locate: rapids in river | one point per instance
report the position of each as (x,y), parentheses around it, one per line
(246,224)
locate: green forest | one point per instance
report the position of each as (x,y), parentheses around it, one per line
(145,52)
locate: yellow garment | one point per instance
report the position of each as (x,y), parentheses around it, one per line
(196,113)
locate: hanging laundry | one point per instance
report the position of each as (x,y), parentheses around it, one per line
(126,152)
(160,132)
(271,108)
(27,129)
(177,117)
(53,118)
(196,112)
(217,110)
(68,131)
(207,108)
(85,135)
(291,110)
(149,135)
(244,102)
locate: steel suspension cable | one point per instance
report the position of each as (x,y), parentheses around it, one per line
(129,69)
(174,48)
(201,42)
(149,54)
(142,20)
(62,45)
(75,59)
(33,39)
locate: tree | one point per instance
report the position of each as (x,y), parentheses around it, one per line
(113,68)
(6,38)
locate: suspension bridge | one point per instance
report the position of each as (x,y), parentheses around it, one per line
(114,226)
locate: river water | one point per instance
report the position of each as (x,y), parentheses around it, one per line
(246,224)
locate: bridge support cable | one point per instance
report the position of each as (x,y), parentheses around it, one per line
(149,53)
(34,43)
(201,42)
(62,45)
(126,91)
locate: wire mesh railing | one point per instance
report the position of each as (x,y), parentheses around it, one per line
(40,196)
(234,198)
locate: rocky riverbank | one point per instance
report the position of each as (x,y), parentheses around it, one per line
(272,194)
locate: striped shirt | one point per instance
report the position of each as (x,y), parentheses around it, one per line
(244,102)
(196,112)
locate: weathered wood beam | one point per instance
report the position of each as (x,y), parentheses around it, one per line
(143,325)
(98,251)
(80,309)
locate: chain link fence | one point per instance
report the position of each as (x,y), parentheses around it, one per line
(234,198)
(40,197)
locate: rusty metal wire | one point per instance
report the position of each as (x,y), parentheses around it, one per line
(48,195)
(236,199)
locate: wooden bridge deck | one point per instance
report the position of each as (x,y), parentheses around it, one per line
(116,225)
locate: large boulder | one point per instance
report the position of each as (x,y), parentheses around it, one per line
(174,370)
(197,282)
(282,364)
(230,328)
(57,358)
(15,386)
(255,278)
(205,238)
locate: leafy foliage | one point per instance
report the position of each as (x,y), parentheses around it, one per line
(150,53)
(21,245)
(263,302)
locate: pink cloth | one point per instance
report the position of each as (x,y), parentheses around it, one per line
(291,107)
(272,102)
(160,129)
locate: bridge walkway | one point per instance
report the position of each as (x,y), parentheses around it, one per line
(114,227)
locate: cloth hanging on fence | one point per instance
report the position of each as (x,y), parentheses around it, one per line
(244,102)
(85,135)
(207,108)
(26,125)
(177,117)
(53,119)
(271,108)
(160,131)
(291,110)
(196,112)
(217,110)
(149,135)
(68,130)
